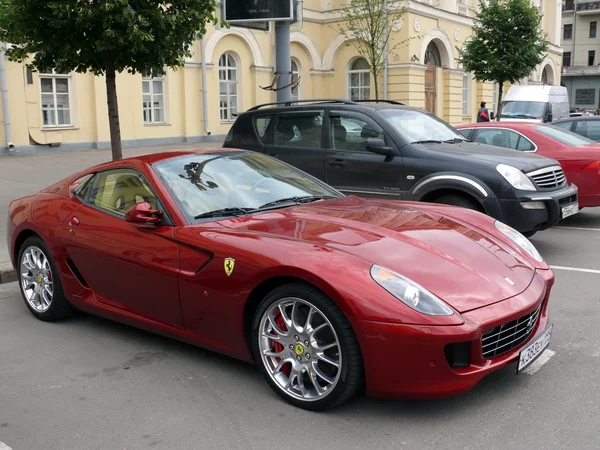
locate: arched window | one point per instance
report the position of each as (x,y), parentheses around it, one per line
(359,80)
(432,55)
(228,87)
(295,76)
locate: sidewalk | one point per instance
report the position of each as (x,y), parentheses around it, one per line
(26,174)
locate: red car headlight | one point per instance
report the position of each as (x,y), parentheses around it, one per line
(410,293)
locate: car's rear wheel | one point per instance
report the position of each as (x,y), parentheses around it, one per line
(39,282)
(459,200)
(306,348)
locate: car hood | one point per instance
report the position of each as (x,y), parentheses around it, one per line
(492,155)
(459,264)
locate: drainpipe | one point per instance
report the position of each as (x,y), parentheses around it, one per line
(204,99)
(5,111)
(385,47)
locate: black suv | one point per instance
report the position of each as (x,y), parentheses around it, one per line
(387,150)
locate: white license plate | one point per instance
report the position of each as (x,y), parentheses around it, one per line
(530,353)
(570,210)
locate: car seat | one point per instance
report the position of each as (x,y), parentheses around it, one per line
(128,191)
(339,134)
(500,140)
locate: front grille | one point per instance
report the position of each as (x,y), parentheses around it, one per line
(548,178)
(509,335)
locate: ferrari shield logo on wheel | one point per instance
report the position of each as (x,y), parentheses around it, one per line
(229,265)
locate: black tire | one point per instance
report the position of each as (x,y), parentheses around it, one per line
(459,200)
(351,374)
(59,308)
(528,234)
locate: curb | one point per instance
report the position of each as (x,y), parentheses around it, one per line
(7,273)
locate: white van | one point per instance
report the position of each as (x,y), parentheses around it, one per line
(535,103)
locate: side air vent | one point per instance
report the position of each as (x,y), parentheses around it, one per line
(77,273)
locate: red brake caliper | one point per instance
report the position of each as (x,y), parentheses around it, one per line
(277,347)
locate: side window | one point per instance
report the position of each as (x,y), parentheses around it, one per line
(261,124)
(564,125)
(81,187)
(499,138)
(588,128)
(465,132)
(299,130)
(525,144)
(351,133)
(116,191)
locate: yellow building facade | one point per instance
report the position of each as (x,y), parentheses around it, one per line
(69,111)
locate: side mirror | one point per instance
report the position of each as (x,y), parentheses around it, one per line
(549,118)
(492,116)
(378,146)
(143,214)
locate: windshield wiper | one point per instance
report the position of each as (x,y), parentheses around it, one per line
(225,212)
(428,141)
(521,116)
(296,200)
(455,141)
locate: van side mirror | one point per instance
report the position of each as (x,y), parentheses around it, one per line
(549,118)
(492,116)
(376,145)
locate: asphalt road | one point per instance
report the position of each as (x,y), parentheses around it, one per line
(87,383)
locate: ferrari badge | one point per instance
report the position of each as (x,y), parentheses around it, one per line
(229,265)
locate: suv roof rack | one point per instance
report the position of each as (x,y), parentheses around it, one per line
(313,100)
(391,102)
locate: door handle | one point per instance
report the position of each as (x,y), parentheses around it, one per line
(74,222)
(337,163)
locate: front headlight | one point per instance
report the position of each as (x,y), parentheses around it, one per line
(515,177)
(519,239)
(409,292)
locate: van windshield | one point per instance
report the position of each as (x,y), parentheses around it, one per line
(523,109)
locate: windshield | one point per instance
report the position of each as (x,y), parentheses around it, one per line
(418,126)
(563,136)
(523,109)
(204,183)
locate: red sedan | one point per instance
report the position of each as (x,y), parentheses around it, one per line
(242,254)
(578,155)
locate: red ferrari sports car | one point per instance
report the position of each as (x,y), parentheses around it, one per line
(245,255)
(578,156)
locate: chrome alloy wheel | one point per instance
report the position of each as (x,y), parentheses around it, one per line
(36,279)
(300,349)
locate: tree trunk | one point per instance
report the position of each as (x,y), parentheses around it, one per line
(500,85)
(113,112)
(375,77)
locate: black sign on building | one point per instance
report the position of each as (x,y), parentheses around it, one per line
(258,10)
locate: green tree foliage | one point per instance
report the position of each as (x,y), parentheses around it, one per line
(104,37)
(507,44)
(369,26)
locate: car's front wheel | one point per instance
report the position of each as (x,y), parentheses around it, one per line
(306,348)
(39,282)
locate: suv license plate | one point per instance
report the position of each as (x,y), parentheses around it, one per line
(569,210)
(530,353)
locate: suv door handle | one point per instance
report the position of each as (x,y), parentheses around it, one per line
(337,162)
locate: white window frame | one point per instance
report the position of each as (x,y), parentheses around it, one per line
(295,76)
(227,109)
(362,87)
(150,79)
(466,95)
(54,76)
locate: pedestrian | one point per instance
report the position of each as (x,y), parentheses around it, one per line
(483,115)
